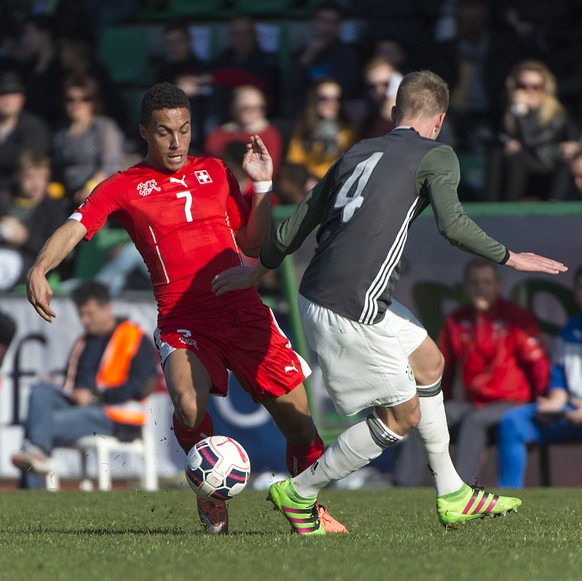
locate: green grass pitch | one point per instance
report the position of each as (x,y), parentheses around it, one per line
(395,535)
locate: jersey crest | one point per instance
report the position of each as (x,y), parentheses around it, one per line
(146,188)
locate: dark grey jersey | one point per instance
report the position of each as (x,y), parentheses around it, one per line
(365,206)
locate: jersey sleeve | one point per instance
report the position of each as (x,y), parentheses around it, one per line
(237,209)
(439,173)
(103,201)
(292,232)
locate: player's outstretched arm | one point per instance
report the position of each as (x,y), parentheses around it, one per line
(530,262)
(56,248)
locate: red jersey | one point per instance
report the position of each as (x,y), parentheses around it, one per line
(499,354)
(183,225)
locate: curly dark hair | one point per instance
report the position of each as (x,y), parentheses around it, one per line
(162,96)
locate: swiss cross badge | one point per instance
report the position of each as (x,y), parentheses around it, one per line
(203,177)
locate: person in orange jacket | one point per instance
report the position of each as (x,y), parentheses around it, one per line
(111,367)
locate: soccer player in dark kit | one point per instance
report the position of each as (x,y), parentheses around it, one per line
(373,352)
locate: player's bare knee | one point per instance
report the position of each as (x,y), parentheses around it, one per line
(409,422)
(427,363)
(432,370)
(439,367)
(415,419)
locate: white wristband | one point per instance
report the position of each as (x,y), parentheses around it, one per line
(262,187)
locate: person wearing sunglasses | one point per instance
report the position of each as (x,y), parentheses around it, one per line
(534,126)
(89,146)
(320,135)
(381,80)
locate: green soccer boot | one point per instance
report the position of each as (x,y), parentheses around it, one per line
(471,502)
(301,512)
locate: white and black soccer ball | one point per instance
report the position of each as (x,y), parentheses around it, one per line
(218,467)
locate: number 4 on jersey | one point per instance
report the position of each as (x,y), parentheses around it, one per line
(351,201)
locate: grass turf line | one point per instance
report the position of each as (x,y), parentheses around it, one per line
(394,535)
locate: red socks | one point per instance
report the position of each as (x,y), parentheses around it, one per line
(301,457)
(187,438)
(298,457)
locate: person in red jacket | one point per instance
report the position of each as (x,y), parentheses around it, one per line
(248,116)
(495,349)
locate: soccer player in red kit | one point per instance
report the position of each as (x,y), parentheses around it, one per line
(189,222)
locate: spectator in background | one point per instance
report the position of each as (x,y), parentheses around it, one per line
(28,216)
(38,53)
(248,117)
(475,63)
(89,148)
(324,55)
(181,66)
(555,417)
(320,136)
(531,161)
(111,367)
(496,349)
(382,81)
(179,58)
(78,59)
(19,129)
(242,62)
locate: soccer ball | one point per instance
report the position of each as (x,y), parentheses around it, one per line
(218,467)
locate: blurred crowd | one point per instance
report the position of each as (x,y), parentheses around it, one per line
(513,68)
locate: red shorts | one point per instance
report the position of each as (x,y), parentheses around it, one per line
(248,341)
